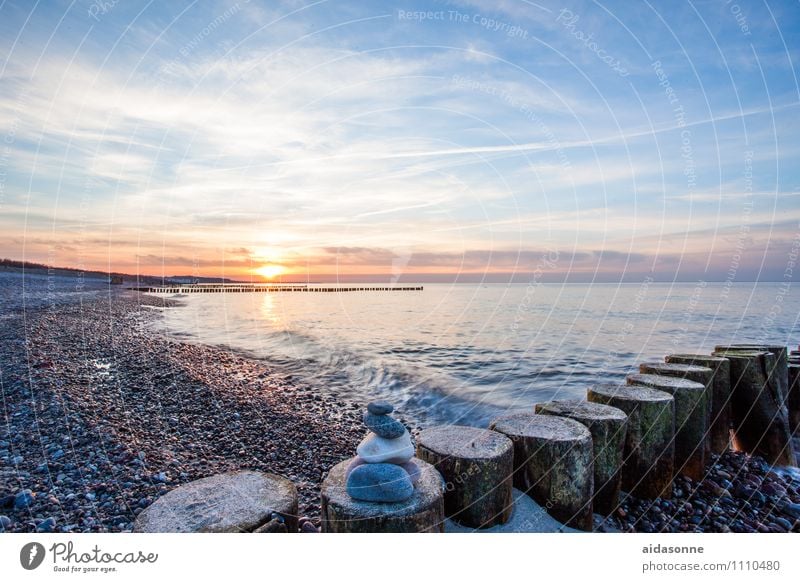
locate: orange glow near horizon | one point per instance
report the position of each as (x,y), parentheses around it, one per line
(270,271)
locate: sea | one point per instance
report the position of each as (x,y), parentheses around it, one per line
(463,353)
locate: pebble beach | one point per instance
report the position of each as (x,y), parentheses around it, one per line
(102,415)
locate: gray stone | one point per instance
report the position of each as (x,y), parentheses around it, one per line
(384,425)
(375,449)
(46,525)
(23,499)
(412,470)
(380,482)
(422,512)
(5,522)
(379,407)
(231,502)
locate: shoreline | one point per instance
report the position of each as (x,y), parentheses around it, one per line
(104,416)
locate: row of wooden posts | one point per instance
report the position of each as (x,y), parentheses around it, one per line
(573,457)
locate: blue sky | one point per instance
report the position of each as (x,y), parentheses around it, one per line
(478,140)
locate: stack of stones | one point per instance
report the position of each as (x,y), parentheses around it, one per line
(382,471)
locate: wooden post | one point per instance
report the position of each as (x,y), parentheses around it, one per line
(477,467)
(759,424)
(778,374)
(648,460)
(691,419)
(608,427)
(793,398)
(553,464)
(720,420)
(422,512)
(242,501)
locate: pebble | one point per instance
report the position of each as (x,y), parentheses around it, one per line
(23,499)
(5,521)
(46,525)
(380,482)
(375,449)
(380,407)
(384,425)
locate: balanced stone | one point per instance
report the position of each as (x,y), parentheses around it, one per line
(691,419)
(384,425)
(760,423)
(241,501)
(477,467)
(608,426)
(356,462)
(380,482)
(553,464)
(720,420)
(379,407)
(422,512)
(648,460)
(375,449)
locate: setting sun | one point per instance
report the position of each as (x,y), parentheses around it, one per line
(270,271)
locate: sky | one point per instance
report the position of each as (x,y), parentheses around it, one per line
(488,141)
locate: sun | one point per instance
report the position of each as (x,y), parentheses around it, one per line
(270,271)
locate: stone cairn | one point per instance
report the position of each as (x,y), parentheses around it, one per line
(382,471)
(384,488)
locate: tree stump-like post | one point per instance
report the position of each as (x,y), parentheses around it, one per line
(477,466)
(553,464)
(648,459)
(793,398)
(241,501)
(720,421)
(778,373)
(760,425)
(608,427)
(691,419)
(423,512)
(700,374)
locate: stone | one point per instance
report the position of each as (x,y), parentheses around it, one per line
(375,449)
(5,522)
(384,425)
(356,462)
(380,483)
(46,525)
(240,501)
(23,499)
(380,407)
(274,525)
(422,512)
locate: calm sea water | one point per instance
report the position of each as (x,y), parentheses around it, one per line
(465,353)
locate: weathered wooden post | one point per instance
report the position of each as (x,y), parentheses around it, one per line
(422,512)
(477,467)
(242,501)
(608,426)
(793,398)
(700,374)
(760,423)
(691,419)
(553,464)
(778,373)
(648,459)
(720,420)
